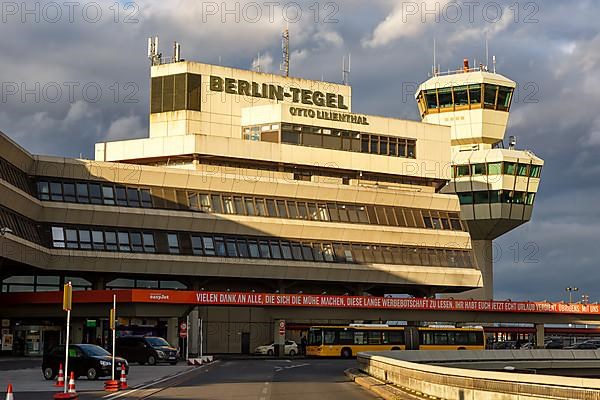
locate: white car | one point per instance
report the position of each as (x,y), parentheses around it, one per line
(290,348)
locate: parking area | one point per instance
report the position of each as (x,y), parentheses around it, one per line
(27,376)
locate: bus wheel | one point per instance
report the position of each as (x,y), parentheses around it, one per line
(395,348)
(346,352)
(461,348)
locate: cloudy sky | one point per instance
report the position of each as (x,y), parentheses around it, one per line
(76,73)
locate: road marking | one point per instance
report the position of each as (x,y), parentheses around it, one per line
(281,368)
(296,366)
(155,382)
(265,390)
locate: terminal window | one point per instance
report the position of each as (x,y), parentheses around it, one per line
(331,138)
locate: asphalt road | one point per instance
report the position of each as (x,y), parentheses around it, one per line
(255,379)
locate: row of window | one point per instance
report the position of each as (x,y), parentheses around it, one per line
(497,168)
(21,226)
(47,283)
(42,283)
(94,193)
(14,176)
(496,196)
(238,204)
(86,239)
(464,98)
(127,283)
(254,247)
(330,138)
(331,211)
(450,337)
(358,337)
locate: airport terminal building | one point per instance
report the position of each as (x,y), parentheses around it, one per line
(248,182)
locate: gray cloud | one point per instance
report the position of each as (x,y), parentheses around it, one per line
(550,48)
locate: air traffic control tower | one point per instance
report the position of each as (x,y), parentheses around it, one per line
(496,186)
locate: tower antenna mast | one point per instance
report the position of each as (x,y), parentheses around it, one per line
(434,67)
(285,51)
(487,53)
(346,70)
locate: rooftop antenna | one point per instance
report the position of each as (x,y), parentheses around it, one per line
(285,51)
(487,53)
(494,63)
(346,70)
(256,65)
(176,52)
(153,55)
(434,68)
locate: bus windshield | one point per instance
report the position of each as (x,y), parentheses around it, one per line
(315,337)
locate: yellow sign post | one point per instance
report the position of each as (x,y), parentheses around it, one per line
(67,304)
(67,296)
(113,327)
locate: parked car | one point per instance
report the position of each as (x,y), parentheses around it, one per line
(146,350)
(505,345)
(593,341)
(290,348)
(527,346)
(582,346)
(553,344)
(84,359)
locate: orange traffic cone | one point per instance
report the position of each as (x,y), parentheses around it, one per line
(60,381)
(9,393)
(123,382)
(71,388)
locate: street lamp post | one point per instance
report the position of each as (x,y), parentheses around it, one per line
(571,289)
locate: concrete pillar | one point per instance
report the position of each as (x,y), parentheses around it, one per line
(173,331)
(98,283)
(194,332)
(76,334)
(539,336)
(279,339)
(483,255)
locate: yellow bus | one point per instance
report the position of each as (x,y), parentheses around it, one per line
(347,341)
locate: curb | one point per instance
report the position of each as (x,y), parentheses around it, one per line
(384,390)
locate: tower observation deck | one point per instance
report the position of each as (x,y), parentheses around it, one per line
(496,186)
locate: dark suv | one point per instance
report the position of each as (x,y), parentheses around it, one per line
(146,349)
(84,359)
